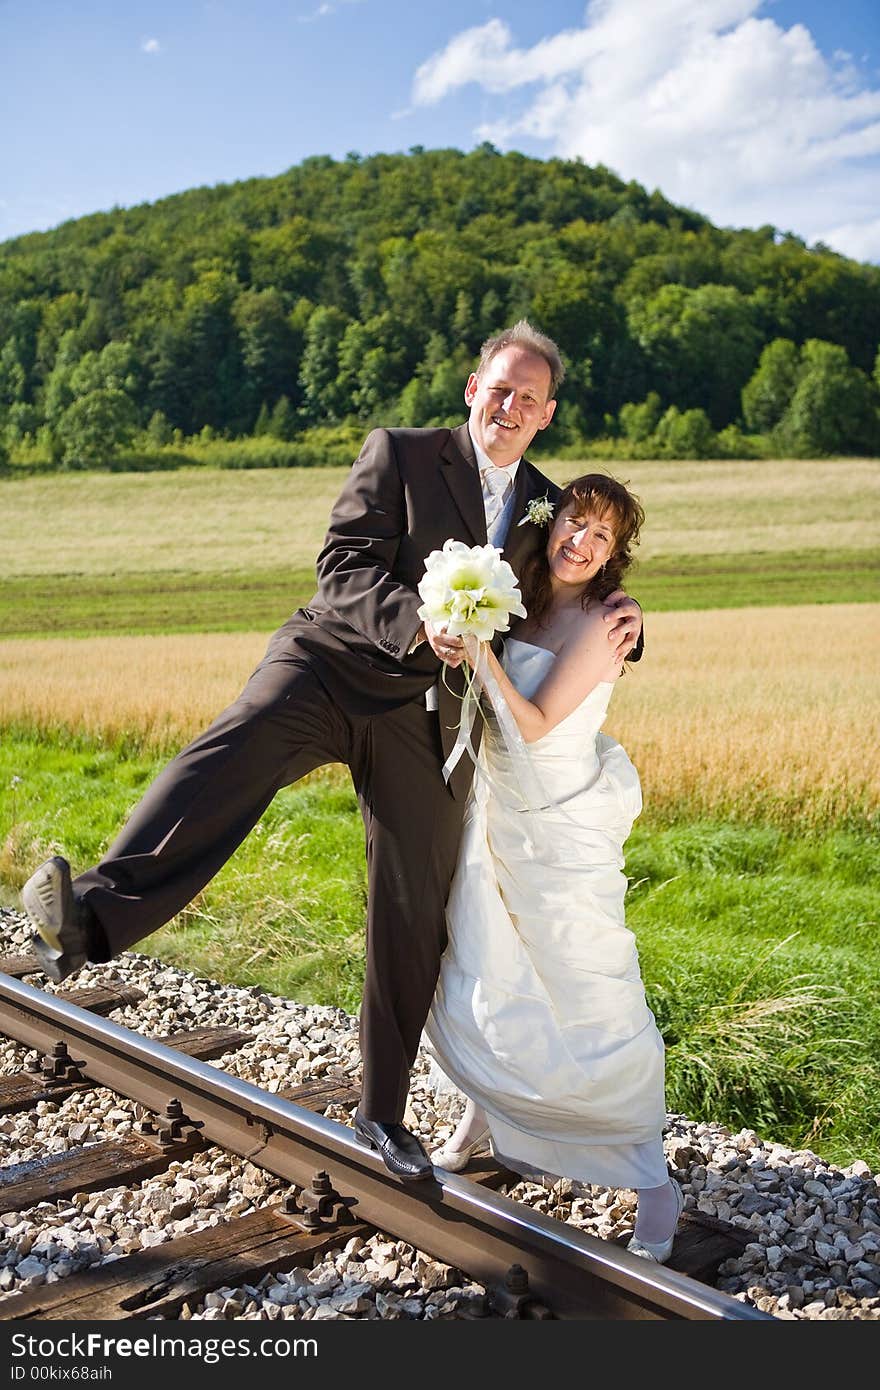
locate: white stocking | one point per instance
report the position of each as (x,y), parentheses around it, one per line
(471,1124)
(658,1213)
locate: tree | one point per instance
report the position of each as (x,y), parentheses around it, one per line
(639,422)
(215,290)
(158,430)
(96,426)
(834,406)
(702,344)
(105,384)
(685,435)
(416,403)
(446,385)
(59,316)
(836,300)
(59,393)
(767,395)
(165,361)
(22,419)
(12,375)
(367,370)
(267,345)
(282,422)
(211,372)
(289,258)
(112,369)
(324,398)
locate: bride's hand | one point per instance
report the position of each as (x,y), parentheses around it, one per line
(471,648)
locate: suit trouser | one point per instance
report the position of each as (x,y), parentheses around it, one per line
(203,804)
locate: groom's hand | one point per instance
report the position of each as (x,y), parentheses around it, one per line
(449,649)
(623,620)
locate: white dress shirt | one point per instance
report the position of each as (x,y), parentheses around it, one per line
(497,517)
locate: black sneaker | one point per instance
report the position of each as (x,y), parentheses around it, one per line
(62,944)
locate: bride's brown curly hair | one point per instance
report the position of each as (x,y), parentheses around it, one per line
(604,496)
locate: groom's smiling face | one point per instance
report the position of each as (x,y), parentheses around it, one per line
(509,402)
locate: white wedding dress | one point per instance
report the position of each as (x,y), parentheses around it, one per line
(540,1013)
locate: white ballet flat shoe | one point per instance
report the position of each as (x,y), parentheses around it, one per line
(659,1250)
(454,1160)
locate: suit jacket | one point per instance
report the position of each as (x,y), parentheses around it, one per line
(408,491)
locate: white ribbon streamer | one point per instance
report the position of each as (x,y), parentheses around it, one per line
(469,704)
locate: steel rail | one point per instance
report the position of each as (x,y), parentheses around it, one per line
(575,1274)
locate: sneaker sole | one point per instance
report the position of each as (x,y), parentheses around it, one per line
(50,876)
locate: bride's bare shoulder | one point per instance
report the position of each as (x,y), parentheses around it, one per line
(573,630)
(589,621)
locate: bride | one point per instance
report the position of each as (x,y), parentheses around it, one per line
(540,1016)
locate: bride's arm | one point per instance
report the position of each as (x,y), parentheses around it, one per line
(580,665)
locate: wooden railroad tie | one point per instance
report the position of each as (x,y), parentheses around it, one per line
(160,1280)
(28,1088)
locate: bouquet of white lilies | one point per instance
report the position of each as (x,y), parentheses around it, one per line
(469,591)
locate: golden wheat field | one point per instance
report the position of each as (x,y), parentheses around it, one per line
(771,712)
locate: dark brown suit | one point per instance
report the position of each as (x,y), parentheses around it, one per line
(336,685)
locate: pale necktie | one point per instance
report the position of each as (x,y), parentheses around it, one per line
(496,489)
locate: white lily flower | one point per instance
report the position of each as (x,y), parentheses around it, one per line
(469,590)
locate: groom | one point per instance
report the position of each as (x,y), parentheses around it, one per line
(352,678)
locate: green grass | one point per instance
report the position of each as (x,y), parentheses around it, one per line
(761,958)
(67,605)
(286,912)
(756,579)
(759,947)
(154,603)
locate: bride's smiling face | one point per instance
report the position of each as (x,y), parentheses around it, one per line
(579,545)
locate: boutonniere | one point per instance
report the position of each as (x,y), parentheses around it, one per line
(539,511)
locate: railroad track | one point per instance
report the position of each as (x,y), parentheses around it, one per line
(532,1264)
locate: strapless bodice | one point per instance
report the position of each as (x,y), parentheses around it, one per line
(527,665)
(575,764)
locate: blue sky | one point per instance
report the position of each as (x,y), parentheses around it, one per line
(751,111)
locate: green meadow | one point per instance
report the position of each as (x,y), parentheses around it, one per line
(203,550)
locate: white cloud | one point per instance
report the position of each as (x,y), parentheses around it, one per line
(723,110)
(861,240)
(151,46)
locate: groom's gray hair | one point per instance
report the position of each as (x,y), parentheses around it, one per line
(523,335)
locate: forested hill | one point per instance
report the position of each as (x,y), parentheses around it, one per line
(361,290)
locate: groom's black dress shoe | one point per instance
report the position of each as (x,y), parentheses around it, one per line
(399,1150)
